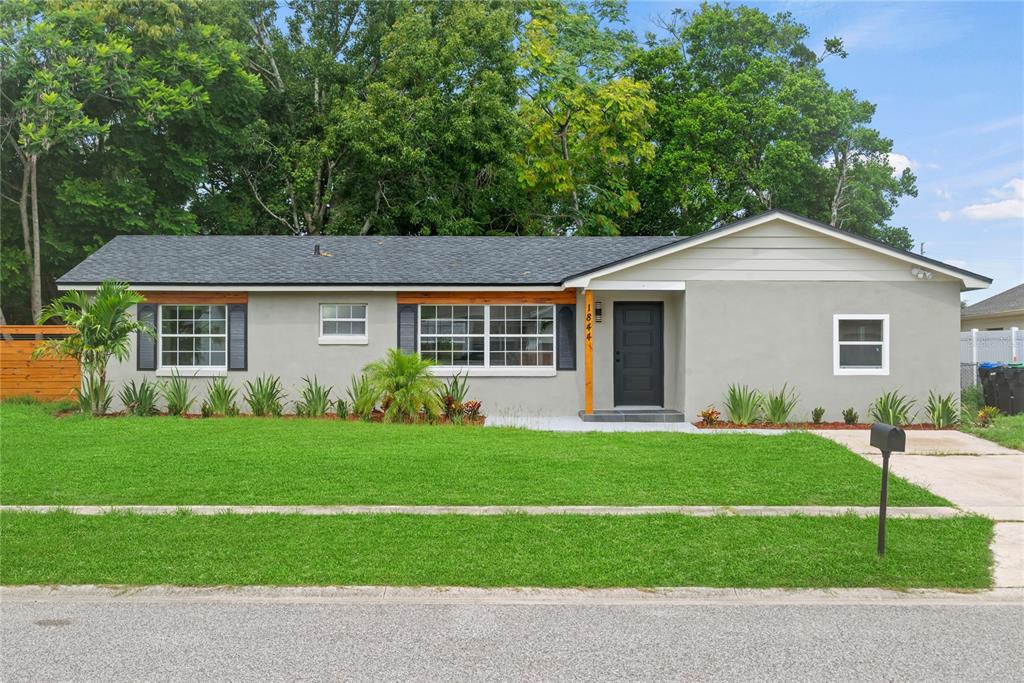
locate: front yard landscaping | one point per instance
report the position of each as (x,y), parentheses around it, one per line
(273,461)
(507,550)
(1005,430)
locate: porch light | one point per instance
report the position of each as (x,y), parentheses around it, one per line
(597,311)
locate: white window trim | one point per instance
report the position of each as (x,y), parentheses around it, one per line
(486,370)
(336,339)
(836,369)
(189,370)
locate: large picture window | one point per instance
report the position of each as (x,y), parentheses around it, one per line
(860,344)
(491,336)
(193,336)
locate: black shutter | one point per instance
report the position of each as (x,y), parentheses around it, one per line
(145,345)
(238,338)
(567,337)
(407,315)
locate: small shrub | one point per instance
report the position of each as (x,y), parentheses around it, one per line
(264,395)
(140,399)
(405,385)
(221,398)
(986,416)
(205,409)
(471,409)
(316,399)
(743,404)
(362,397)
(892,408)
(452,396)
(850,416)
(95,395)
(710,416)
(779,406)
(943,411)
(177,395)
(341,408)
(972,399)
(817,414)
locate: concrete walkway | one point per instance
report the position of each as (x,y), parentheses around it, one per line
(484,510)
(572,423)
(921,442)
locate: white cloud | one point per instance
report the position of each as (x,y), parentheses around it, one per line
(945,216)
(943,194)
(1009,204)
(900,162)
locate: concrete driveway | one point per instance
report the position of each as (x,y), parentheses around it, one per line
(921,442)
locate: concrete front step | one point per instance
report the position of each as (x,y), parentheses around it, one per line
(633,415)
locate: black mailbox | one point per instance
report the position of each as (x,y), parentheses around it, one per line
(887,438)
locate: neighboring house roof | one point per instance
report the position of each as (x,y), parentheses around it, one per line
(1010,301)
(210,260)
(352,260)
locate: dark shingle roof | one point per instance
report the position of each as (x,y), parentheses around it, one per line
(390,260)
(1004,302)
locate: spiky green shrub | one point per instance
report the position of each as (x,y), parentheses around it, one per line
(405,385)
(222,398)
(850,416)
(986,416)
(892,408)
(95,395)
(817,414)
(177,395)
(943,411)
(140,399)
(452,396)
(315,398)
(778,406)
(264,395)
(342,408)
(743,404)
(362,398)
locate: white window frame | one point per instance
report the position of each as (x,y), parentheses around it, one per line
(328,339)
(189,370)
(486,370)
(836,368)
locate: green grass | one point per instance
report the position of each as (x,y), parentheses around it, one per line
(1006,430)
(267,461)
(509,550)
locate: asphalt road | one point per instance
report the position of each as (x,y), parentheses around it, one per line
(109,639)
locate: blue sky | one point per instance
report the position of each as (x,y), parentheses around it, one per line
(948,80)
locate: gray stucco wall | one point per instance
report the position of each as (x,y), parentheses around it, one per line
(764,334)
(283,331)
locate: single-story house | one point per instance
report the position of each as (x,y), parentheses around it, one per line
(999,312)
(554,325)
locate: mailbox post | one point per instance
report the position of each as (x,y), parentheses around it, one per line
(887,439)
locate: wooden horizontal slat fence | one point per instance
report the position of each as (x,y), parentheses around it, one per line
(47,379)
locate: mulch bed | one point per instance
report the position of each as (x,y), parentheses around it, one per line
(811,426)
(377,416)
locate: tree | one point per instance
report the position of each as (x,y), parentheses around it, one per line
(586,120)
(104,327)
(746,122)
(405,386)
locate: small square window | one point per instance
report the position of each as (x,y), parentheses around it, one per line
(860,344)
(343,323)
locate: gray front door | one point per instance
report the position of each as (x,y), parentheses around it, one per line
(639,354)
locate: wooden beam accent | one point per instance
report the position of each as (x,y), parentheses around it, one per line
(567,296)
(36,329)
(196,297)
(588,352)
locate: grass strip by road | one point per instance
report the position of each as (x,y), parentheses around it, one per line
(266,461)
(510,550)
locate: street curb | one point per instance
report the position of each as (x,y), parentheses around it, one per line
(452,595)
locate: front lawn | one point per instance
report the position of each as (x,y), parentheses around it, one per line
(1006,430)
(507,550)
(268,461)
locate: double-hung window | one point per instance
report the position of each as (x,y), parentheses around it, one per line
(860,344)
(193,337)
(488,336)
(343,324)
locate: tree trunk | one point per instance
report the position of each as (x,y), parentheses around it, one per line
(37,278)
(837,197)
(368,223)
(563,137)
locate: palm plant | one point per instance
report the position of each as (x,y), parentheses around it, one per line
(405,385)
(104,328)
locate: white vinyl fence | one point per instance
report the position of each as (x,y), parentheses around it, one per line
(984,346)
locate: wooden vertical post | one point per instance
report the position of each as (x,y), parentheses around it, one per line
(588,352)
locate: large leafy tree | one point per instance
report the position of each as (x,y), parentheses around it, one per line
(586,120)
(746,121)
(110,113)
